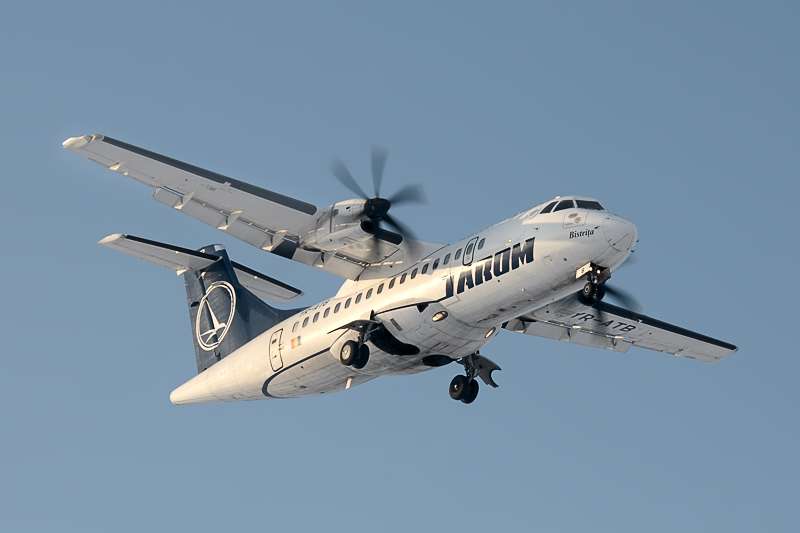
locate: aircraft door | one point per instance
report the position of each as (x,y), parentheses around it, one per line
(275,360)
(469,251)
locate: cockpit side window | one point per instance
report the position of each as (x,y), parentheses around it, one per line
(564,204)
(589,204)
(549,208)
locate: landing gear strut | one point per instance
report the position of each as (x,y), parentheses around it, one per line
(464,388)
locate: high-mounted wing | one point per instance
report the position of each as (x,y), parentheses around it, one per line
(268,220)
(603,325)
(183,259)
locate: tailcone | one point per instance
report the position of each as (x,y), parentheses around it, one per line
(196,390)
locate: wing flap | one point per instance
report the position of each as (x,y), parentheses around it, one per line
(607,326)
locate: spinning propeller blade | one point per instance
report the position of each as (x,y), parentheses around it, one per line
(625,298)
(379,156)
(342,173)
(376,208)
(410,194)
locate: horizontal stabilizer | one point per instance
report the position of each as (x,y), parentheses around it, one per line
(183,259)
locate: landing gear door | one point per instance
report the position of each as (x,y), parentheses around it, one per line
(275,360)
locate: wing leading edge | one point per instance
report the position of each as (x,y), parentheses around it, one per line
(603,325)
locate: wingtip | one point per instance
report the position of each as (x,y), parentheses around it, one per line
(76,143)
(108,239)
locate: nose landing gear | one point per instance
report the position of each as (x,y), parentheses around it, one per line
(464,388)
(593,292)
(596,277)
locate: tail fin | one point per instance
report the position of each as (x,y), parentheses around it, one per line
(224,314)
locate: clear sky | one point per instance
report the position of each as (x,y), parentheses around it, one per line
(682,117)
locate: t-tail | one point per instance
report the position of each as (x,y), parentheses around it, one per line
(225,310)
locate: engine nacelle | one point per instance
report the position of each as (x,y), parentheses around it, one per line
(338,226)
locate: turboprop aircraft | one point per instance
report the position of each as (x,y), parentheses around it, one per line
(405,306)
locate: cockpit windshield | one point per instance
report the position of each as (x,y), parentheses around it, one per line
(564,204)
(549,207)
(589,204)
(569,203)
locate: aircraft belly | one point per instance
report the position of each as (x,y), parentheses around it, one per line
(317,374)
(315,370)
(450,336)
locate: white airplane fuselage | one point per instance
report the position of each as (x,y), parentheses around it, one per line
(524,263)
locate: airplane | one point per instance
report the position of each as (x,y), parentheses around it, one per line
(405,305)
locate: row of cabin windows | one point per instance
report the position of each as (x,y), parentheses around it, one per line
(379,290)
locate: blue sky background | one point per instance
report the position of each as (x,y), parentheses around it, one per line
(680,116)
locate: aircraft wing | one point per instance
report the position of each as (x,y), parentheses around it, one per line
(603,325)
(268,220)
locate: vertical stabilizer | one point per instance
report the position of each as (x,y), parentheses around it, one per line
(223,314)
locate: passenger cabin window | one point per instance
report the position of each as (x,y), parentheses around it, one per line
(436,264)
(391,283)
(380,288)
(425,268)
(564,204)
(414,273)
(347,303)
(446,259)
(327,312)
(589,204)
(458,255)
(337,307)
(358,297)
(403,278)
(481,243)
(294,328)
(369,294)
(305,321)
(316,317)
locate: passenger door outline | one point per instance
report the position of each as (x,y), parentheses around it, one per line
(468,257)
(275,359)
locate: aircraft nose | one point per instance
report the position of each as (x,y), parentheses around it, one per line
(620,233)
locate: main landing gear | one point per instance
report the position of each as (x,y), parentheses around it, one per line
(464,388)
(354,354)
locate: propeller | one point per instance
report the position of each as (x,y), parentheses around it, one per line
(376,208)
(624,298)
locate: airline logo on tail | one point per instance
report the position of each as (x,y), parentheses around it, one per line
(215,315)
